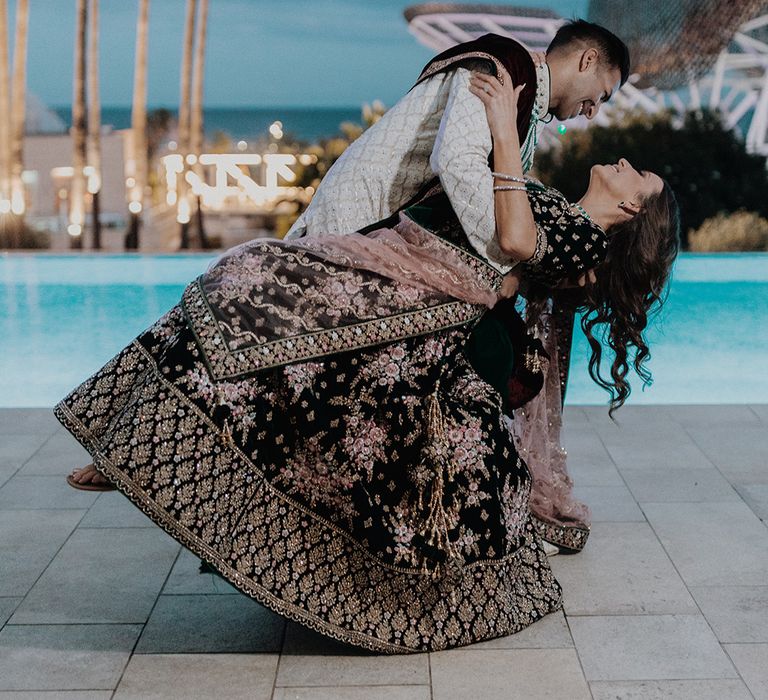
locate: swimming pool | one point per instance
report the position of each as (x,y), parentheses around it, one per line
(64,316)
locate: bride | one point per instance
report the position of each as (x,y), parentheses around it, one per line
(306,422)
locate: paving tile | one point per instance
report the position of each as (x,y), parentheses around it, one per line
(550,632)
(609,503)
(738,451)
(28,420)
(756,497)
(302,641)
(30,539)
(26,492)
(55,694)
(361,669)
(113,509)
(623,570)
(712,544)
(670,690)
(58,456)
(761,411)
(188,624)
(661,484)
(735,613)
(648,647)
(7,606)
(18,448)
(634,429)
(586,472)
(588,461)
(574,415)
(101,576)
(15,450)
(356,692)
(626,417)
(185,578)
(6,472)
(184,676)
(513,674)
(683,454)
(709,414)
(64,657)
(751,660)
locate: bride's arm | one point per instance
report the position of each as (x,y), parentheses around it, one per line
(515,225)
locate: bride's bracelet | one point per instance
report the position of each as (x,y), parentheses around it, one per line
(506,188)
(511,178)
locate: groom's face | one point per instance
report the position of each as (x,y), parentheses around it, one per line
(591,84)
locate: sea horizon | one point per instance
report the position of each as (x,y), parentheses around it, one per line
(306,123)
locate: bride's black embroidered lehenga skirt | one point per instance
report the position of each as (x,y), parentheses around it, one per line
(314,432)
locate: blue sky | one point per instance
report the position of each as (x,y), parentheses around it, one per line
(260,52)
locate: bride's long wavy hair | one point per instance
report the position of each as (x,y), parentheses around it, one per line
(631,286)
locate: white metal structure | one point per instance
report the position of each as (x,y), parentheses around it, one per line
(737,86)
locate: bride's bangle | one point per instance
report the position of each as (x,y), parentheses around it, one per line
(512,178)
(507,188)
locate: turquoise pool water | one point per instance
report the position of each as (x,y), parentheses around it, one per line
(64,316)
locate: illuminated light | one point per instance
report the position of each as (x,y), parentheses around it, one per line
(227,160)
(183,212)
(64,171)
(94,182)
(309,190)
(5,206)
(172,145)
(191,159)
(562,128)
(305,159)
(18,205)
(134,207)
(63,193)
(74,230)
(229,179)
(242,145)
(276,130)
(130,182)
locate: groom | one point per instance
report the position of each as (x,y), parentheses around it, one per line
(439,129)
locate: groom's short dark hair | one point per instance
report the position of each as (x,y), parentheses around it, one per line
(611,49)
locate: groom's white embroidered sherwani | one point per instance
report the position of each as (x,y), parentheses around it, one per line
(438,128)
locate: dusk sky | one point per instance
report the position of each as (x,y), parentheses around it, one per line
(259,52)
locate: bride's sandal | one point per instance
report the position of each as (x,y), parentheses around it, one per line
(89,485)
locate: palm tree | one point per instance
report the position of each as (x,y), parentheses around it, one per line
(5,103)
(79,131)
(94,121)
(139,128)
(18,109)
(196,136)
(184,143)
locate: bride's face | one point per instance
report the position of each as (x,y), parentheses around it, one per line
(620,182)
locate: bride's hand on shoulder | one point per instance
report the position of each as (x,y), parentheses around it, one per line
(500,102)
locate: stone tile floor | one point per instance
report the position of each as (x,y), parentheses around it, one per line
(669,600)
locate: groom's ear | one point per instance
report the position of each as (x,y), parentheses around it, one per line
(588,59)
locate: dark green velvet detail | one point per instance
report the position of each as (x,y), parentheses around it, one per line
(490,352)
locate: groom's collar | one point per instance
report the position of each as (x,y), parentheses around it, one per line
(543,89)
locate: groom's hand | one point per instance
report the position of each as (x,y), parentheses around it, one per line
(510,284)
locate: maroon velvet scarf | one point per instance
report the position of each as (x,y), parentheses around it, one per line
(499,51)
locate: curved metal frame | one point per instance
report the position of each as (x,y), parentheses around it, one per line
(737,86)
